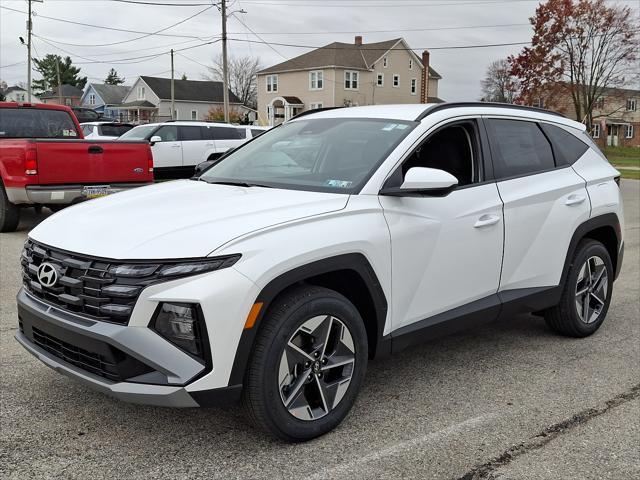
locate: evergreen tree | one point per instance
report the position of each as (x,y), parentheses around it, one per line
(113,78)
(47,68)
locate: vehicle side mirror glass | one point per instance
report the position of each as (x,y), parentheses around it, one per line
(155,139)
(424,181)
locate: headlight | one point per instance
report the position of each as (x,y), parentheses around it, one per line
(180,323)
(193,268)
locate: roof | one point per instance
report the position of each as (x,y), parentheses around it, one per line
(189,90)
(67,91)
(138,103)
(111,94)
(14,88)
(338,54)
(293,100)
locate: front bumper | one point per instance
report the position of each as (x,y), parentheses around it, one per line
(58,194)
(97,352)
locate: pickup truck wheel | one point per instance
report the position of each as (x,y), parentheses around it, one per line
(587,292)
(307,366)
(9,213)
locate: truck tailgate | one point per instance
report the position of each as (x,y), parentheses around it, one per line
(90,162)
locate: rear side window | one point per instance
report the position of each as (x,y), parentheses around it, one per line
(227,133)
(36,123)
(113,130)
(255,132)
(568,148)
(519,148)
(87,129)
(190,133)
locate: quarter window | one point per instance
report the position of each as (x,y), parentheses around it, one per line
(519,148)
(350,80)
(567,147)
(316,80)
(272,83)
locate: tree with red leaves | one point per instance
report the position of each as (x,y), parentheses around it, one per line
(579,48)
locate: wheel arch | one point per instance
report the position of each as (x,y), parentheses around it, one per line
(350,275)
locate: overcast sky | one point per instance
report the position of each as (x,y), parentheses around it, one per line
(423,23)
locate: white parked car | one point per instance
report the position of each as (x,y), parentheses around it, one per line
(337,237)
(104,130)
(178,146)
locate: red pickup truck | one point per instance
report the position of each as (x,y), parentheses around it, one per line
(45,161)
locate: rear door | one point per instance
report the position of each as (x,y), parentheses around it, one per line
(168,151)
(86,162)
(194,145)
(544,201)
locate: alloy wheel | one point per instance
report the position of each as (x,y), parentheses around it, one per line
(591,289)
(316,367)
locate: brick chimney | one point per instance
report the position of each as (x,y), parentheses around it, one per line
(424,84)
(358,40)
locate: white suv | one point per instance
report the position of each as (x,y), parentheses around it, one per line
(178,146)
(339,236)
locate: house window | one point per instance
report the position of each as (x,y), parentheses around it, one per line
(628,131)
(314,106)
(194,114)
(599,103)
(631,105)
(272,83)
(396,81)
(141,93)
(67,101)
(538,102)
(21,97)
(380,79)
(385,64)
(92,99)
(350,80)
(316,80)
(595,133)
(410,64)
(414,86)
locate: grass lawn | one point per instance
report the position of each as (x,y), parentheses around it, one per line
(621,157)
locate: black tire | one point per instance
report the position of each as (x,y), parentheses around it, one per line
(9,213)
(262,393)
(564,317)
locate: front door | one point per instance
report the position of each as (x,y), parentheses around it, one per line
(446,251)
(167,152)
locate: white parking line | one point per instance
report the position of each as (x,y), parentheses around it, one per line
(400,448)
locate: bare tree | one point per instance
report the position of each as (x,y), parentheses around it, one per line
(499,85)
(242,77)
(579,48)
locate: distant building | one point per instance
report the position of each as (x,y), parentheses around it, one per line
(19,94)
(149,100)
(346,74)
(105,99)
(69,95)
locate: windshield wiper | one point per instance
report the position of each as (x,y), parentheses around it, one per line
(236,184)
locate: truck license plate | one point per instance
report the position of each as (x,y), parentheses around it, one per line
(94,191)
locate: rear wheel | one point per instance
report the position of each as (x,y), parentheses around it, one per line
(9,213)
(587,292)
(308,364)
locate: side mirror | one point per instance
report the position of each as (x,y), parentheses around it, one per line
(423,181)
(155,139)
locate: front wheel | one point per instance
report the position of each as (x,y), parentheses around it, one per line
(587,292)
(308,364)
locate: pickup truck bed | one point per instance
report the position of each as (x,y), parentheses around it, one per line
(62,167)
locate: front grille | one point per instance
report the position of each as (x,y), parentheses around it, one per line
(87,286)
(89,361)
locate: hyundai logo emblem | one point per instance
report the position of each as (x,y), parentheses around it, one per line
(47,274)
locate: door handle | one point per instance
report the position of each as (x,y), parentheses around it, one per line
(575,199)
(486,220)
(175,145)
(95,149)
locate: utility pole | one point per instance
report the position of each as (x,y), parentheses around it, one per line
(59,82)
(29,25)
(173,99)
(225,71)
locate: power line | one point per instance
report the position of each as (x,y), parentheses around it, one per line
(467,27)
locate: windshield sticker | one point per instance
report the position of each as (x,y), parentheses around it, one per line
(401,126)
(338,183)
(68,133)
(389,126)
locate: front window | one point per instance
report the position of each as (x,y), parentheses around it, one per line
(631,105)
(316,80)
(350,80)
(272,83)
(143,132)
(327,155)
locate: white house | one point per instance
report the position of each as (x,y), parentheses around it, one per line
(19,94)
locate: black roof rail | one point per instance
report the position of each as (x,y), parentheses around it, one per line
(315,110)
(444,106)
(199,121)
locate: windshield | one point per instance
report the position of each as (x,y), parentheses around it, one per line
(143,132)
(326,155)
(36,123)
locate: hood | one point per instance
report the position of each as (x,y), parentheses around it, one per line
(180,219)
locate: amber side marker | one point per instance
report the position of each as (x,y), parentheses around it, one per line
(253,315)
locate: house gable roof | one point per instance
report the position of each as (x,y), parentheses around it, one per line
(189,90)
(347,55)
(110,94)
(66,91)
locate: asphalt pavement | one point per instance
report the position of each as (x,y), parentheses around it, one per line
(510,400)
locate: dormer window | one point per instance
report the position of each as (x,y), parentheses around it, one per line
(385,64)
(141,93)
